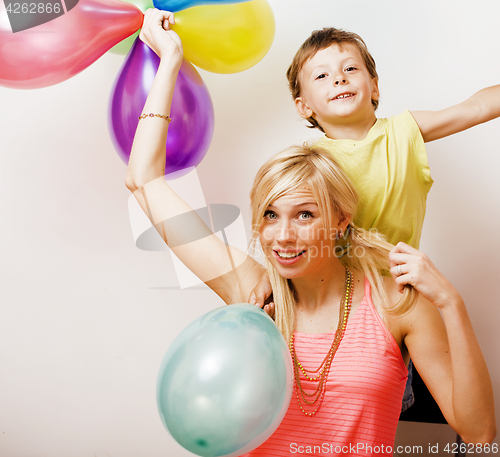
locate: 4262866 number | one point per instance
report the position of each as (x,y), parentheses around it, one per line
(33,8)
(471,448)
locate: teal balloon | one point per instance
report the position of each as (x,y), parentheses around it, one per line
(226,382)
(178,5)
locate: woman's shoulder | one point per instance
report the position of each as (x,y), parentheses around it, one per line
(399,324)
(392,296)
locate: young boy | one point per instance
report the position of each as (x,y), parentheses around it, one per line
(334,82)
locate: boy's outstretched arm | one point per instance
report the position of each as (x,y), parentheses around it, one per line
(483,106)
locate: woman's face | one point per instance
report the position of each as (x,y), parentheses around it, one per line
(293,236)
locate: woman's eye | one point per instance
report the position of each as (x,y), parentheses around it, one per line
(305,215)
(270,215)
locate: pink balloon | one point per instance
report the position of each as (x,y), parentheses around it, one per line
(57,50)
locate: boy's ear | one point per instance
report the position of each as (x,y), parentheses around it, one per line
(375,91)
(302,108)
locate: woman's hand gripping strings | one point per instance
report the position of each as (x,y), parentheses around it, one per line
(157,35)
(440,339)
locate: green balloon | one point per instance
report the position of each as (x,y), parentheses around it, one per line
(226,381)
(123,47)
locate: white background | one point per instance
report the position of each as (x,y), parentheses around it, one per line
(85,317)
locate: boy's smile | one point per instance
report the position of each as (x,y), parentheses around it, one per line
(344,96)
(336,88)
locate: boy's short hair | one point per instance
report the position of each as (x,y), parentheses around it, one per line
(322,39)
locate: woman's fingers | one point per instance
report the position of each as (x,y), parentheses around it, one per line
(407,265)
(156,32)
(403,279)
(401,253)
(155,21)
(261,292)
(269,309)
(405,248)
(410,266)
(154,16)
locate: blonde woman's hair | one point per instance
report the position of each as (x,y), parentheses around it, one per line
(334,194)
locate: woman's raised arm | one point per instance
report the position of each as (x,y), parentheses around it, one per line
(442,344)
(229,272)
(147,158)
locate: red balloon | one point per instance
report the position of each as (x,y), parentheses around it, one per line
(57,50)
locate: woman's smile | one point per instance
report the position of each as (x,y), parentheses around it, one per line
(288,257)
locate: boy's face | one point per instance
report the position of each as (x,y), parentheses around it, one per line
(336,87)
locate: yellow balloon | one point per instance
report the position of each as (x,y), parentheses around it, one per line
(226,38)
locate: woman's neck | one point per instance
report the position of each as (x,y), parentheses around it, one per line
(318,306)
(321,289)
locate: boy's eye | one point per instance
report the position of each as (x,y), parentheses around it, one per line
(350,68)
(321,76)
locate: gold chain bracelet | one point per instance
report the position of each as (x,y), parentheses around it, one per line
(144,116)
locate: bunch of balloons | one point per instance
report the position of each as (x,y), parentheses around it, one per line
(226,382)
(225,37)
(221,36)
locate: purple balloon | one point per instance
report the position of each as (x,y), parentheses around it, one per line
(191,129)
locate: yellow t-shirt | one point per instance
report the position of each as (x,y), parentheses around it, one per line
(390,173)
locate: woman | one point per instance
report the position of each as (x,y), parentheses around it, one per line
(350,370)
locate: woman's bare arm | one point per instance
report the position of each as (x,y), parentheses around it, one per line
(228,271)
(442,344)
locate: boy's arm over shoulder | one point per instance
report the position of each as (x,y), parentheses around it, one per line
(483,106)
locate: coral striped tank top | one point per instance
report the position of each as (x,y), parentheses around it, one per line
(362,402)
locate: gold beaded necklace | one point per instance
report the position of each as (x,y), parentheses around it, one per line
(320,375)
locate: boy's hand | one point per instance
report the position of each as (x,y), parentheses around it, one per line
(157,35)
(261,294)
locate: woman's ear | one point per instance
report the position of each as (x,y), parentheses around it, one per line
(302,108)
(344,221)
